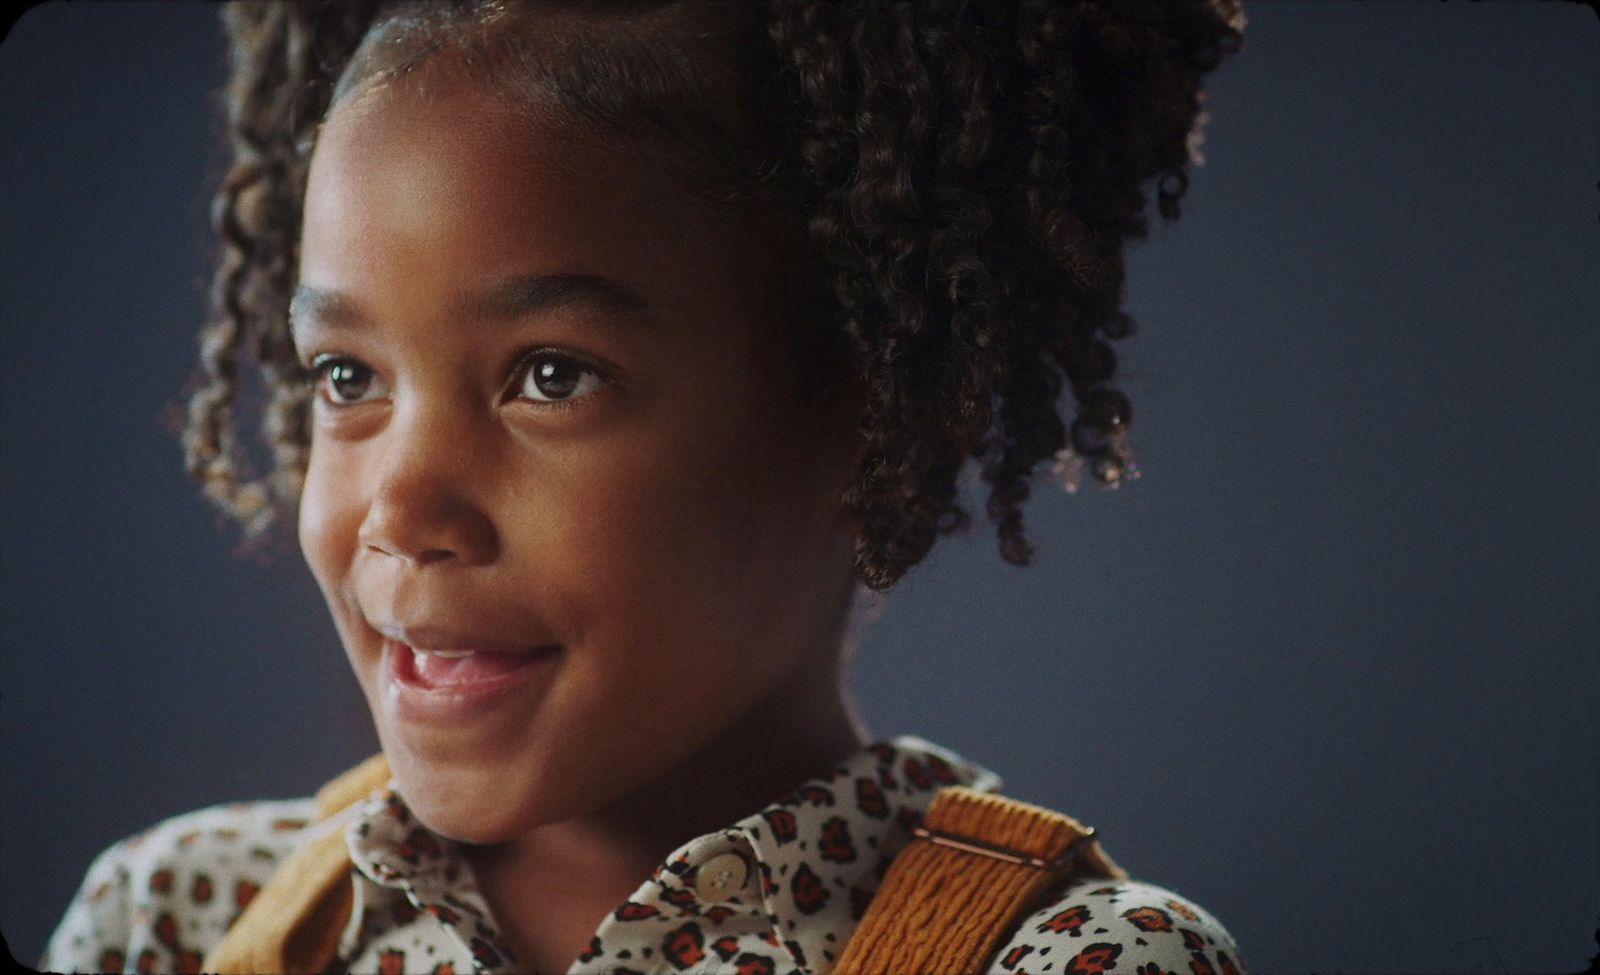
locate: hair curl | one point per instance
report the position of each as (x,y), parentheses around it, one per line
(969,171)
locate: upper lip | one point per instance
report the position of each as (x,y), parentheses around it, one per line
(430,637)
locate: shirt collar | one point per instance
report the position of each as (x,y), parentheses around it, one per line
(811,859)
(821,851)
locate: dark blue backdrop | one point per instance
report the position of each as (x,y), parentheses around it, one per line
(1323,667)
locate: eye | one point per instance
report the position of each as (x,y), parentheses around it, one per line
(345,382)
(549,377)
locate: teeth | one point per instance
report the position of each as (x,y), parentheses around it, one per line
(447,654)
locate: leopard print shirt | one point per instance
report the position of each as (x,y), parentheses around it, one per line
(779,891)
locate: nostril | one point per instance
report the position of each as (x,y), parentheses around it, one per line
(423,556)
(423,522)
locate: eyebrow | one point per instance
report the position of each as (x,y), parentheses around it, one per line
(521,296)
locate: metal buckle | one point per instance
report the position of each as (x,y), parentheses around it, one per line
(1018,857)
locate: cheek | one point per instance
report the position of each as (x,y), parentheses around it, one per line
(621,535)
(710,527)
(328,524)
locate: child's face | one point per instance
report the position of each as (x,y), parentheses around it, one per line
(667,522)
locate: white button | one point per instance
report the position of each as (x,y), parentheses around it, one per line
(721,876)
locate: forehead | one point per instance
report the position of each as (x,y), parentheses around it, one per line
(442,184)
(447,157)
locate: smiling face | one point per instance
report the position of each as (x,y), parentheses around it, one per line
(561,419)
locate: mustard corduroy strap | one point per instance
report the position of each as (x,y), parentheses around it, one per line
(942,909)
(292,925)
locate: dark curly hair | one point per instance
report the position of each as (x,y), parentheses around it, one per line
(969,172)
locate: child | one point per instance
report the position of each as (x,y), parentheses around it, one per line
(611,348)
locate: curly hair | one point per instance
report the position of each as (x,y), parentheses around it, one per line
(969,173)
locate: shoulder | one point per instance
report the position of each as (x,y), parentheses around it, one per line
(159,900)
(1097,924)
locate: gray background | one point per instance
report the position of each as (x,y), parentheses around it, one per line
(1322,667)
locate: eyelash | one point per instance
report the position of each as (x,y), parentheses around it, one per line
(321,365)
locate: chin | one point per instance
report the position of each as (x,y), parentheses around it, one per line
(468,817)
(469,805)
(467,831)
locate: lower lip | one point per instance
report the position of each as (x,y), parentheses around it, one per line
(450,705)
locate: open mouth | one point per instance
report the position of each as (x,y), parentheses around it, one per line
(461,669)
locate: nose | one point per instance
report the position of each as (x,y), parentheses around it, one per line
(422,509)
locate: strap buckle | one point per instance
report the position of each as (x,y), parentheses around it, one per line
(1005,853)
